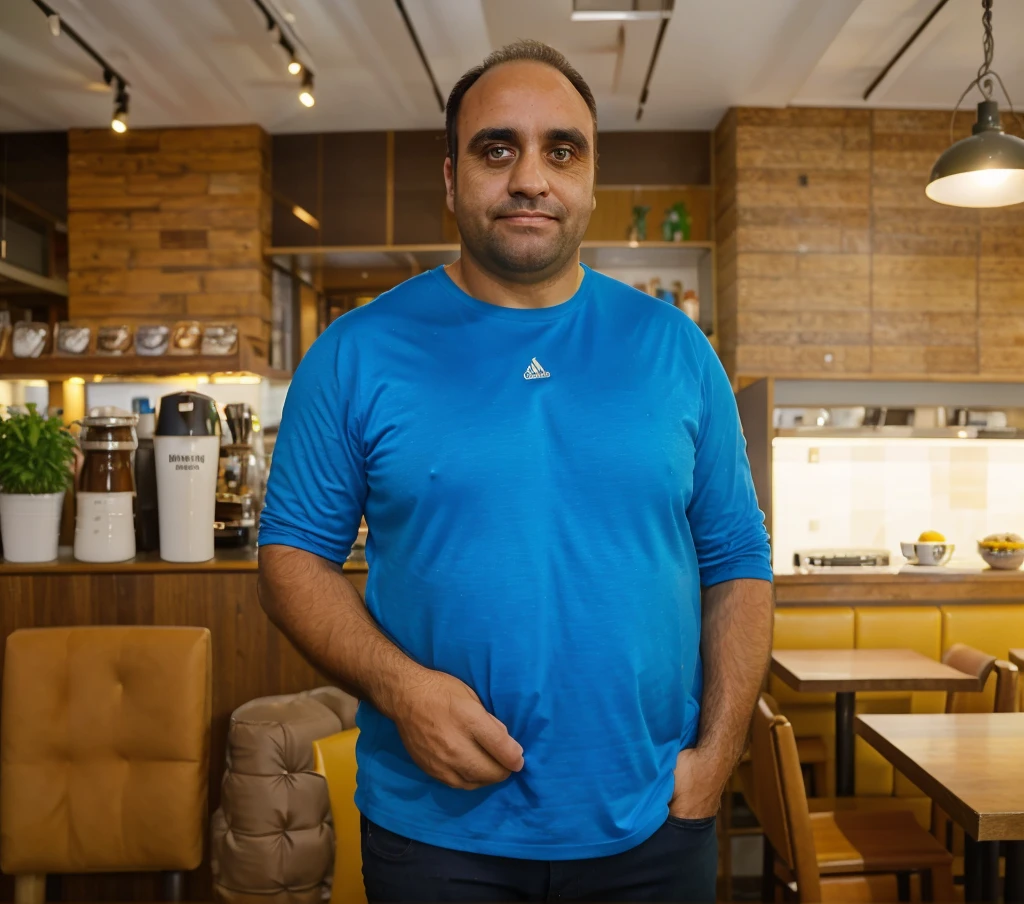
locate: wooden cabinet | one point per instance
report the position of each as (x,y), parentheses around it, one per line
(833,262)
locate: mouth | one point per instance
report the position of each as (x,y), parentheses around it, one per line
(527,218)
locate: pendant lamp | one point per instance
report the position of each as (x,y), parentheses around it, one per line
(986,169)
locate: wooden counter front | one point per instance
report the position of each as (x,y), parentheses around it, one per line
(889,588)
(251,658)
(225,560)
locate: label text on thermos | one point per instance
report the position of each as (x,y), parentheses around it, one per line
(186,462)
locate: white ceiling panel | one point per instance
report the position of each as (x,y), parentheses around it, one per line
(210,61)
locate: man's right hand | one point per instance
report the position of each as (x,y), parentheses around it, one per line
(450,735)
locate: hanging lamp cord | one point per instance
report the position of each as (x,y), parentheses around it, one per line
(983,80)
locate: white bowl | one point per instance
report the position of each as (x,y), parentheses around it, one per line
(1006,559)
(927,553)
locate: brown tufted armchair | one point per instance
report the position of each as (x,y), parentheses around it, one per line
(272,838)
(104,752)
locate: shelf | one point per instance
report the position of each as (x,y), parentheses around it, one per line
(424,257)
(9,273)
(61,367)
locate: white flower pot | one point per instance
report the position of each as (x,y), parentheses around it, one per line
(30,526)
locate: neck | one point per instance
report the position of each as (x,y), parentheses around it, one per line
(474,280)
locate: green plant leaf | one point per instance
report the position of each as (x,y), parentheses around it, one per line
(35,453)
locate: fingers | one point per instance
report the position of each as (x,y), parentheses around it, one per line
(495,740)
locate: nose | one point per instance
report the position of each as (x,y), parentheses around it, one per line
(527,177)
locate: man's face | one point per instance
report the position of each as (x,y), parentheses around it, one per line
(524,179)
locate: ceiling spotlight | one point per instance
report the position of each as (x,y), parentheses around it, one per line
(54,21)
(306,94)
(120,121)
(294,66)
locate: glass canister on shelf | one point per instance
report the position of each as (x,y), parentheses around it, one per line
(691,305)
(31,339)
(104,524)
(72,338)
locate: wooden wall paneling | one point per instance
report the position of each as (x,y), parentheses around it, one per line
(37,169)
(925,256)
(169,223)
(756,404)
(1000,275)
(353,196)
(613,216)
(828,246)
(653,158)
(801,264)
(725,223)
(419,190)
(294,177)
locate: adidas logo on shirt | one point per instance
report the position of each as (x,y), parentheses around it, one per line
(535,371)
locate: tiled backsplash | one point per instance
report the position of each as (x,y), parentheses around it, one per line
(875,492)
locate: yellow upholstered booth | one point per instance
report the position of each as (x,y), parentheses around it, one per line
(104,759)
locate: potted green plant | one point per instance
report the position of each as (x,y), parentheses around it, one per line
(36,453)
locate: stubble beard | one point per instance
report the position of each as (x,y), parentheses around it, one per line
(521,258)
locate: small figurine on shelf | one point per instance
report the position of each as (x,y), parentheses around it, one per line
(638,231)
(676,225)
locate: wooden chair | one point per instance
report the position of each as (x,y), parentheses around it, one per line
(834,856)
(973,661)
(813,761)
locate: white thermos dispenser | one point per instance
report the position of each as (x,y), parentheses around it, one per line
(187,448)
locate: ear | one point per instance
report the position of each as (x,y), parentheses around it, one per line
(593,203)
(449,184)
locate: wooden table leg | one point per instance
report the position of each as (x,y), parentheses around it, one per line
(1013,889)
(981,870)
(845,708)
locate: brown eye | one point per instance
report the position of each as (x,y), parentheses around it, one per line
(562,155)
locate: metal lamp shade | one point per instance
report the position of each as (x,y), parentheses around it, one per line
(984,170)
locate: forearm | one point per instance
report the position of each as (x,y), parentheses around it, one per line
(321,612)
(736,631)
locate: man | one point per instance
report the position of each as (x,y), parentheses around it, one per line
(560,517)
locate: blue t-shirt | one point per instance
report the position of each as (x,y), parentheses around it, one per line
(546,491)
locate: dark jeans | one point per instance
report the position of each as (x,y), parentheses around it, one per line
(679,863)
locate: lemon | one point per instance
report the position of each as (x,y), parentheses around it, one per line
(931,536)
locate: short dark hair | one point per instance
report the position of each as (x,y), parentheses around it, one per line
(520,51)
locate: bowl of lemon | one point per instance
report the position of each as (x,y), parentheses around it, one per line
(931,548)
(1004,551)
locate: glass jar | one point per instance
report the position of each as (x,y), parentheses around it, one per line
(109,445)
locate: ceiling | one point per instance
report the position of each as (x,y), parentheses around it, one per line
(211,62)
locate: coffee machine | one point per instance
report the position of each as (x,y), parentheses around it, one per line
(241,480)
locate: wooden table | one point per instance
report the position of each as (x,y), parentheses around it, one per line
(971,765)
(1017,658)
(844,672)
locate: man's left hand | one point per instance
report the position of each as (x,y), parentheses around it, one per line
(699,786)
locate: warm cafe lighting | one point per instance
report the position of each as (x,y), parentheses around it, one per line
(306,217)
(987,168)
(306,94)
